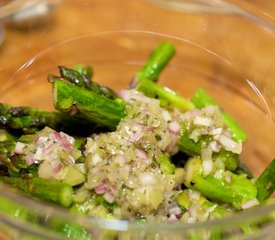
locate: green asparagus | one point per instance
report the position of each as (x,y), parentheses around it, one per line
(202,99)
(13,209)
(82,78)
(53,191)
(84,69)
(192,148)
(9,159)
(6,136)
(86,104)
(166,96)
(266,182)
(236,191)
(29,120)
(156,62)
(166,166)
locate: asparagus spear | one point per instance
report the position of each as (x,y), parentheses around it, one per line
(53,191)
(192,148)
(216,211)
(84,69)
(6,136)
(236,192)
(14,209)
(86,104)
(183,200)
(156,62)
(266,182)
(29,120)
(166,166)
(166,96)
(18,211)
(202,99)
(12,161)
(81,76)
(149,74)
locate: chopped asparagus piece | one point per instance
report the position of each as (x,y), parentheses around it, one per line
(266,182)
(202,99)
(77,101)
(6,136)
(156,62)
(53,191)
(84,69)
(166,96)
(9,159)
(166,166)
(237,191)
(193,148)
(29,120)
(183,200)
(79,78)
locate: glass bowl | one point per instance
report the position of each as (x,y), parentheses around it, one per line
(121,55)
(228,55)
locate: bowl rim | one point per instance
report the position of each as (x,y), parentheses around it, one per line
(45,209)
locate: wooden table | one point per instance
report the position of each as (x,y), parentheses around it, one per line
(224,35)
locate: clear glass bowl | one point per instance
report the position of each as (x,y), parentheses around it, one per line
(240,80)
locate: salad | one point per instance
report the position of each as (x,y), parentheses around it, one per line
(145,154)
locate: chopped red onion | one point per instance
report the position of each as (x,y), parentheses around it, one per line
(192,212)
(120,160)
(207,167)
(38,155)
(102,188)
(172,219)
(215,131)
(194,195)
(174,127)
(110,198)
(136,136)
(166,116)
(64,141)
(203,121)
(141,97)
(149,129)
(47,151)
(227,177)
(57,167)
(214,146)
(146,111)
(207,163)
(41,139)
(147,179)
(19,147)
(251,203)
(192,114)
(230,145)
(123,94)
(175,211)
(96,159)
(29,159)
(46,170)
(140,153)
